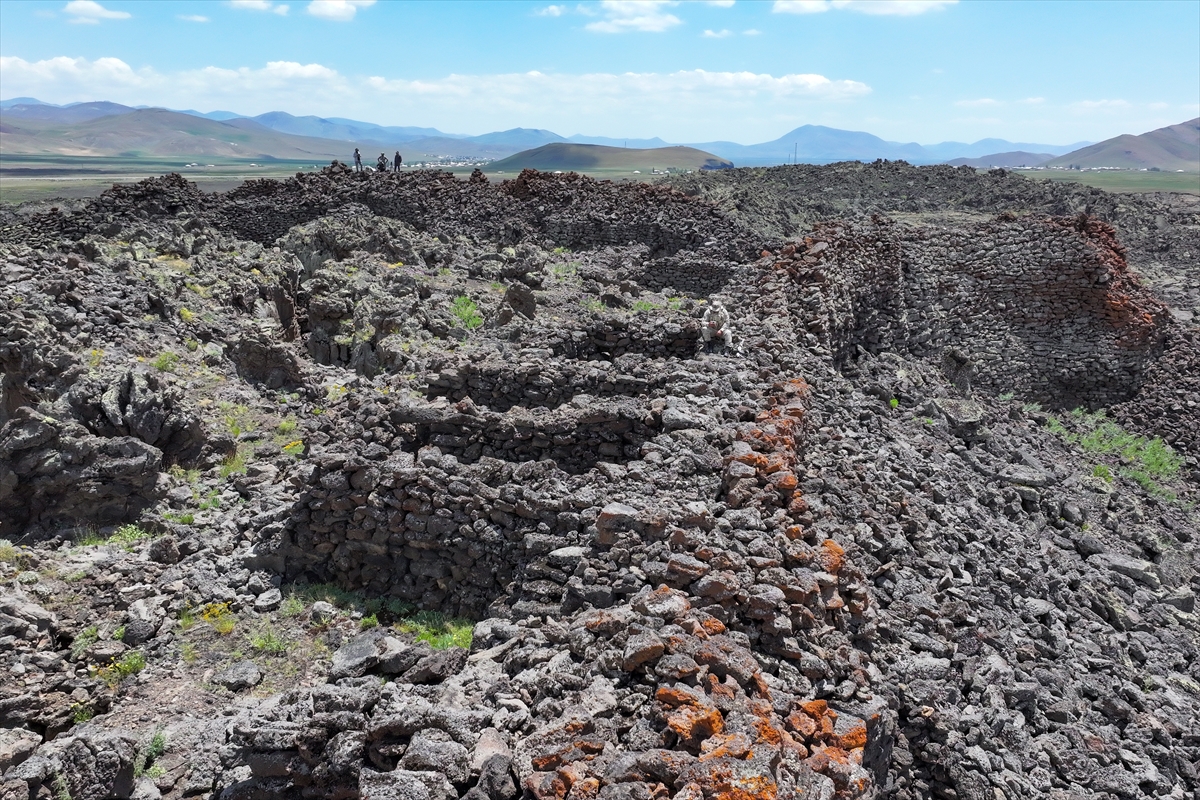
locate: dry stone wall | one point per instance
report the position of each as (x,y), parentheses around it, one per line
(1044,307)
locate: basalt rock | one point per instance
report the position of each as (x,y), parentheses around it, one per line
(422,488)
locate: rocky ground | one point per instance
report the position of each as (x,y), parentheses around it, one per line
(395,486)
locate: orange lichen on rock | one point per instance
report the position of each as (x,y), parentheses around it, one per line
(803,724)
(582,748)
(586,789)
(855,738)
(731,779)
(545,786)
(693,718)
(783,481)
(694,724)
(733,745)
(833,556)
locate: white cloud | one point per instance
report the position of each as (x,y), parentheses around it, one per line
(983,102)
(800,6)
(193,18)
(721,34)
(89,12)
(1033,101)
(648,16)
(337,10)
(551,11)
(681,106)
(904,8)
(720,3)
(751,32)
(261,5)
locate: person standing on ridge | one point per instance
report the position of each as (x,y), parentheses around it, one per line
(397,161)
(357,160)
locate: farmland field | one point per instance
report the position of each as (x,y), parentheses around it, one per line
(1123,180)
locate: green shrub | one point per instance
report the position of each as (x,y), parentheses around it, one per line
(466,312)
(234,465)
(368,622)
(9,554)
(82,712)
(1146,460)
(127,666)
(186,315)
(129,535)
(219,617)
(287,427)
(86,638)
(61,790)
(292,606)
(166,362)
(147,755)
(894,402)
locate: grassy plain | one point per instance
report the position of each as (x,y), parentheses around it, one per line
(1123,180)
(41,177)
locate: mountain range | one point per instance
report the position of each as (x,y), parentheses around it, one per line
(29,126)
(1176,147)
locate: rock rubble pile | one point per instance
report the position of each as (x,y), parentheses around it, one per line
(397,486)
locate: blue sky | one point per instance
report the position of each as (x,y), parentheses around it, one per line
(746,71)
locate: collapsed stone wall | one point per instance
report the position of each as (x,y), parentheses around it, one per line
(1045,307)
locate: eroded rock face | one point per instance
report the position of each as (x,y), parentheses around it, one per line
(827,561)
(55,474)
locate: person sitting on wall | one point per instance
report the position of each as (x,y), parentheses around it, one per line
(381,163)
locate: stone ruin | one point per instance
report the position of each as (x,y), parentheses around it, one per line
(694,577)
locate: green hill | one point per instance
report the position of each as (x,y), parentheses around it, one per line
(591,157)
(1176,147)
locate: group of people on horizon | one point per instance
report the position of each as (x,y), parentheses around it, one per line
(381,163)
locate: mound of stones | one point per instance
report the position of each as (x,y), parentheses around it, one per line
(848,557)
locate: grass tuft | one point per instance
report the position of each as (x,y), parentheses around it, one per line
(266,640)
(166,362)
(466,312)
(127,666)
(438,631)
